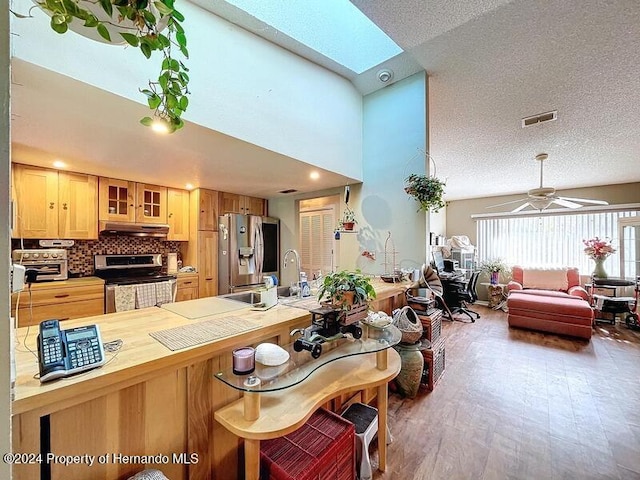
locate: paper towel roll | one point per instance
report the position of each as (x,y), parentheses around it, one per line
(172,263)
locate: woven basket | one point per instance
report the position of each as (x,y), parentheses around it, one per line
(406,320)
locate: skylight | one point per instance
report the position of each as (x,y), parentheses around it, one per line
(334,28)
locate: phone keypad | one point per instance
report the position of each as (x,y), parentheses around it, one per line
(84,353)
(52,352)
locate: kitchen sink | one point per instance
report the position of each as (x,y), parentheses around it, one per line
(244,297)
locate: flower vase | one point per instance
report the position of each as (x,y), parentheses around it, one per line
(599,271)
(495,278)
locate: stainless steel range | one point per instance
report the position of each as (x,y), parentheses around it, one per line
(134,281)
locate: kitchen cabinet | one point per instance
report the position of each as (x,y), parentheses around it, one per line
(178,214)
(204,210)
(207,263)
(126,201)
(63,300)
(234,203)
(53,204)
(187,287)
(201,251)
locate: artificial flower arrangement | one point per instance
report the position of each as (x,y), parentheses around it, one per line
(598,249)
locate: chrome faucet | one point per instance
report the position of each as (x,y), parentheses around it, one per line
(297,260)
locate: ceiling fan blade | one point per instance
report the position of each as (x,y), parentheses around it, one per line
(585,200)
(563,202)
(521,207)
(506,203)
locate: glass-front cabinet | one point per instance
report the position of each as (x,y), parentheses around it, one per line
(126,201)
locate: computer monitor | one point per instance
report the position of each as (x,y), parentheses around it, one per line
(438,261)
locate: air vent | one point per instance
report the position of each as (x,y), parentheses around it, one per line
(543,117)
(290,190)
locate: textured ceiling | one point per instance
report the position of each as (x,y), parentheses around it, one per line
(492,63)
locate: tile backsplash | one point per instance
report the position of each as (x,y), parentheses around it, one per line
(81,254)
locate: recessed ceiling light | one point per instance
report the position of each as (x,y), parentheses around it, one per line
(59,164)
(160,126)
(314,175)
(385,75)
(189,186)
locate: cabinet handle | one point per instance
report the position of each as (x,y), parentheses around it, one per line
(170,215)
(209,279)
(64,206)
(51,205)
(187,283)
(62,319)
(62,295)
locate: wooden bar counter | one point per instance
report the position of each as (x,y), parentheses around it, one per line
(147,406)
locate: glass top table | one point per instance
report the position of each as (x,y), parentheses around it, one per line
(301,364)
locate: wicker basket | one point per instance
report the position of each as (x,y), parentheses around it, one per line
(432,324)
(434,363)
(406,320)
(321,449)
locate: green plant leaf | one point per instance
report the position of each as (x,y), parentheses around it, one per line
(184,102)
(146,49)
(59,27)
(178,16)
(163,80)
(146,121)
(91,21)
(164,41)
(162,8)
(184,78)
(154,101)
(57,19)
(181,39)
(108,8)
(184,51)
(130,38)
(104,33)
(149,17)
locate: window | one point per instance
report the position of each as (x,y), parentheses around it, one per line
(550,240)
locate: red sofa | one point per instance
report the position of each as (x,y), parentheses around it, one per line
(549,300)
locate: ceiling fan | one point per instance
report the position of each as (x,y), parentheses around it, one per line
(542,197)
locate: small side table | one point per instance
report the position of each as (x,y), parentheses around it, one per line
(497,295)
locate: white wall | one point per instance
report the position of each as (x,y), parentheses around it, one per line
(5,404)
(394,129)
(241,85)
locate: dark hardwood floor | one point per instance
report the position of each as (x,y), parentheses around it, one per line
(517,404)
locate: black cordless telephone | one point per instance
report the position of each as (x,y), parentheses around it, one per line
(64,352)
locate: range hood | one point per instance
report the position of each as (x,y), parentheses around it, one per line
(133,229)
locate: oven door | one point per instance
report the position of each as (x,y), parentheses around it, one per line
(48,271)
(130,303)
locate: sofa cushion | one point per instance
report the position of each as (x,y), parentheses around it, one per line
(547,293)
(557,308)
(545,278)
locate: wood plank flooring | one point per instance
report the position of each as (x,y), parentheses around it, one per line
(520,405)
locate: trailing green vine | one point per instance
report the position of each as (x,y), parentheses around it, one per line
(166,96)
(427,191)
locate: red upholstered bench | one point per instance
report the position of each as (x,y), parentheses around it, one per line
(554,312)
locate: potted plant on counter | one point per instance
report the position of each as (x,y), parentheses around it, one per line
(344,290)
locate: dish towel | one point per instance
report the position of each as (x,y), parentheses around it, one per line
(146,295)
(125,297)
(163,293)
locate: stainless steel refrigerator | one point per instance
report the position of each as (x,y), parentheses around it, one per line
(248,249)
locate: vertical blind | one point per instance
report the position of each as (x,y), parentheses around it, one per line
(549,240)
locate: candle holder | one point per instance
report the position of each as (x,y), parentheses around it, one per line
(244,360)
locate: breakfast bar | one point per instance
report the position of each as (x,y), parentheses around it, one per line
(148,406)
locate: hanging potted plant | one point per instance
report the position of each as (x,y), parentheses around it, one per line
(138,23)
(426,190)
(348,219)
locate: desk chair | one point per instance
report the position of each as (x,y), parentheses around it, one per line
(461,294)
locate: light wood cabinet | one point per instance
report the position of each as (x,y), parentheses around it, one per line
(125,201)
(204,209)
(207,263)
(202,249)
(234,203)
(187,287)
(151,205)
(52,204)
(75,298)
(178,214)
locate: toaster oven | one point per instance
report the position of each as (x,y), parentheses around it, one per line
(49,263)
